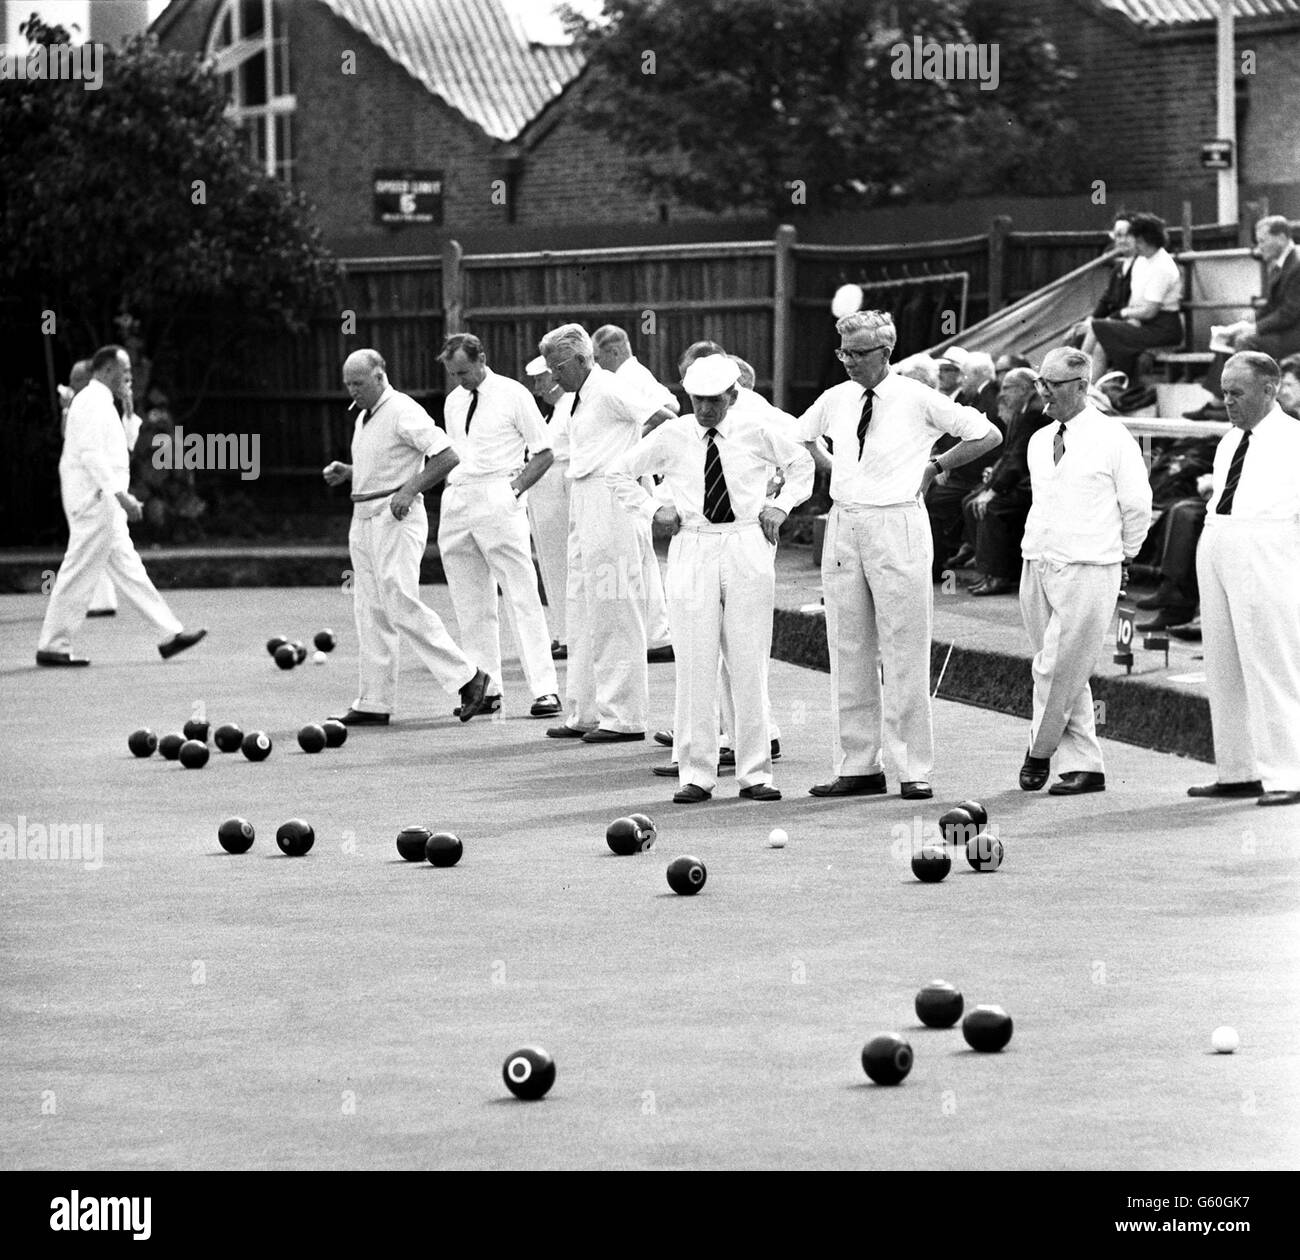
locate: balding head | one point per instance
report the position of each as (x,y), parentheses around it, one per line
(1249,385)
(81,375)
(365,377)
(611,347)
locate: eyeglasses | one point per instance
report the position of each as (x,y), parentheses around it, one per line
(856,356)
(1043,383)
(555,367)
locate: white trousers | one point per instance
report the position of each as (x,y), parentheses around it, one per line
(721,586)
(657,632)
(548,515)
(1066,609)
(1249,574)
(483,541)
(386,555)
(606,681)
(100,546)
(105,597)
(880,608)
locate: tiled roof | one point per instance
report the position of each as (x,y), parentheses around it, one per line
(483,57)
(1166,13)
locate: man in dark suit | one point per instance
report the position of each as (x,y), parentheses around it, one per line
(1275,330)
(995,513)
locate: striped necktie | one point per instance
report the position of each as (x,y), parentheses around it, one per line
(868,401)
(1058,445)
(1234,476)
(473,407)
(717,502)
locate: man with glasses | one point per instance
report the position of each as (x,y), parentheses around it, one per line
(1090,513)
(878,552)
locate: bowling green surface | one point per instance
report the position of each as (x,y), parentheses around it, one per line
(178,1007)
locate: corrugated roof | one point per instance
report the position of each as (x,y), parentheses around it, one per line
(1164,13)
(474,54)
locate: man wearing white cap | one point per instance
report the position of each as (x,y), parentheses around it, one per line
(951,366)
(1248,568)
(721,566)
(483,527)
(877,555)
(548,503)
(607,685)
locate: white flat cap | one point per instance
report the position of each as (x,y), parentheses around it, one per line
(712,375)
(954,355)
(536,367)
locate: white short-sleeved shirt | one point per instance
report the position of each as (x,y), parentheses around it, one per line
(389,447)
(506,422)
(1094,507)
(1156,279)
(907,418)
(605,423)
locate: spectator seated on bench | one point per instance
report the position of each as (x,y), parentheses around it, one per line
(1152,316)
(1275,330)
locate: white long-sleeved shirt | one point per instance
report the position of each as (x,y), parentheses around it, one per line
(96,457)
(906,419)
(749,450)
(1269,488)
(605,424)
(505,423)
(639,381)
(1094,507)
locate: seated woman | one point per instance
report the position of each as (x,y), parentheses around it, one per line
(1151,317)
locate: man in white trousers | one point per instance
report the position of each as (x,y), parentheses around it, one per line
(877,555)
(1248,568)
(1090,514)
(606,686)
(613,351)
(103,603)
(483,524)
(548,504)
(391,440)
(94,475)
(721,567)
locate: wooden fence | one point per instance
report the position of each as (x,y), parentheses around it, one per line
(768,301)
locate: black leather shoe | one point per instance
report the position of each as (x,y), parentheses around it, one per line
(665,738)
(961,558)
(102,612)
(559,652)
(60,658)
(996,586)
(1167,617)
(916,790)
(691,794)
(727,756)
(657,656)
(1245,787)
(1034,773)
(360,717)
(665,772)
(1075,782)
(546,706)
(473,696)
(1279,798)
(852,785)
(179,642)
(761,792)
(601,736)
(491,704)
(564,732)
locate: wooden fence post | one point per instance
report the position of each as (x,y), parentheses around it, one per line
(783,283)
(453,289)
(999,230)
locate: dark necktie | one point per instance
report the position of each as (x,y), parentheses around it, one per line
(717,502)
(365,416)
(473,407)
(868,402)
(1058,446)
(1234,476)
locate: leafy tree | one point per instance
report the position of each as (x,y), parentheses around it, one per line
(134,213)
(728,103)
